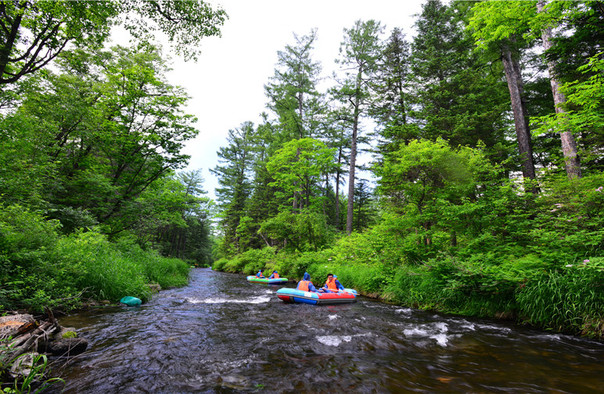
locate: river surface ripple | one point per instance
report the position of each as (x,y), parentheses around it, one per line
(222,334)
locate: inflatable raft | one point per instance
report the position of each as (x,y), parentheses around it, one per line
(309,297)
(277,281)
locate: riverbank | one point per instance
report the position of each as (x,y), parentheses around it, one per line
(569,299)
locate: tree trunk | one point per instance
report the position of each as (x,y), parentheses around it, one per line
(353,159)
(338,222)
(514,80)
(572,163)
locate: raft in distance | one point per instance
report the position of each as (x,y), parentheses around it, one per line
(277,281)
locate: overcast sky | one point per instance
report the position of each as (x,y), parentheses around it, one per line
(227,82)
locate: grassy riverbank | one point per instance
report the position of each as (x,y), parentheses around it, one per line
(536,259)
(568,299)
(43,268)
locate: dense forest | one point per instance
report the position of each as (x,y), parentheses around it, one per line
(92,205)
(485,191)
(483,194)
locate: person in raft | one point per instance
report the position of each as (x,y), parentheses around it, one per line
(259,274)
(305,284)
(274,275)
(332,285)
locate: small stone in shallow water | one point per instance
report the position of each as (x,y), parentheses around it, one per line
(67,346)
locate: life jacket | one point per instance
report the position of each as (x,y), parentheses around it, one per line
(332,285)
(303,285)
(275,276)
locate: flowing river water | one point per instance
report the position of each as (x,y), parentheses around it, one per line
(222,334)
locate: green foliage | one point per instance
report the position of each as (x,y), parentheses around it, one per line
(303,231)
(88,148)
(451,227)
(36,32)
(583,111)
(454,95)
(566,299)
(297,169)
(46,269)
(248,262)
(70,334)
(95,136)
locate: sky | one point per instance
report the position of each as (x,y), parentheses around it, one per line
(226,84)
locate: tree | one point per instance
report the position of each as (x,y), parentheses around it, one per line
(358,56)
(292,90)
(496,21)
(422,178)
(455,94)
(107,127)
(391,105)
(264,202)
(487,16)
(569,146)
(365,210)
(585,100)
(233,174)
(175,220)
(298,168)
(337,136)
(33,33)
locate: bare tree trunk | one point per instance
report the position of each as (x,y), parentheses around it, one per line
(338,222)
(353,160)
(514,80)
(572,162)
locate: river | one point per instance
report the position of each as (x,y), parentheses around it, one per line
(222,334)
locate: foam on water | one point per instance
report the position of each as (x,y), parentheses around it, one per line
(553,337)
(495,328)
(255,300)
(336,340)
(333,340)
(405,311)
(437,331)
(441,339)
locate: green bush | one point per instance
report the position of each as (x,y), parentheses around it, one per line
(248,262)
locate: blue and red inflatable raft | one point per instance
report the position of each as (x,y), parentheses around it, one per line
(310,297)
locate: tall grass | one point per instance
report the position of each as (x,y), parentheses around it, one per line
(111,271)
(567,300)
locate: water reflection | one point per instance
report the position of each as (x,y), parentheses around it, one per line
(223,334)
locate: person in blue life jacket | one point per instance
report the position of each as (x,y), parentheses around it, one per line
(332,285)
(305,284)
(259,274)
(274,275)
